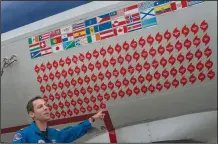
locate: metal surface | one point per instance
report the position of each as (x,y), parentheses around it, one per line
(19,82)
(197,126)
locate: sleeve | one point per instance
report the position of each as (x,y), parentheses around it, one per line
(70,134)
(19,137)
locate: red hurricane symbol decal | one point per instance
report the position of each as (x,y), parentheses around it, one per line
(161,50)
(142,42)
(201,76)
(128,58)
(70,71)
(120,60)
(81,57)
(125,46)
(45,77)
(198,54)
(172,60)
(95,54)
(209,64)
(152,52)
(185,30)
(118,48)
(199,66)
(191,68)
(196,41)
(187,43)
(144,54)
(206,39)
(176,33)
(167,35)
(183,81)
(204,25)
(68,61)
(158,37)
(169,48)
(178,45)
(103,52)
(39,79)
(84,68)
(88,55)
(37,69)
(150,40)
(207,52)
(110,50)
(55,64)
(43,67)
(157,75)
(155,64)
(49,65)
(211,74)
(133,44)
(189,56)
(194,28)
(136,55)
(61,62)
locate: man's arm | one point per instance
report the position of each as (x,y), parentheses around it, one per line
(72,133)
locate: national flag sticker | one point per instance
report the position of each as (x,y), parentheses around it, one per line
(162,9)
(92,30)
(149,22)
(191,3)
(77,42)
(145,5)
(119,21)
(33,40)
(147,14)
(55,33)
(45,43)
(116,14)
(44,36)
(176,5)
(134,26)
(93,38)
(46,51)
(34,47)
(67,37)
(57,48)
(131,10)
(35,54)
(78,26)
(103,18)
(66,29)
(69,44)
(56,40)
(121,30)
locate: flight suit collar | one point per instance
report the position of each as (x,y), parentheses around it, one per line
(37,130)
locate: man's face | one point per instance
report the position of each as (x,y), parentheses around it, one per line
(41,111)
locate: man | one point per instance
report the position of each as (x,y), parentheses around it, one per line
(38,132)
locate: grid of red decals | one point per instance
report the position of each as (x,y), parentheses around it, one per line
(80,84)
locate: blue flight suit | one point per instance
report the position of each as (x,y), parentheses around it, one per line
(32,134)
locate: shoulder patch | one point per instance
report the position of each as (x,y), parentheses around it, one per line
(41,141)
(17,137)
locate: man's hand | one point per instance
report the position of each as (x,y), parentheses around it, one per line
(100,115)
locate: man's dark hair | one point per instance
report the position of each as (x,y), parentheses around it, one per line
(29,106)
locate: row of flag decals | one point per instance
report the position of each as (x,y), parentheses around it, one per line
(129,19)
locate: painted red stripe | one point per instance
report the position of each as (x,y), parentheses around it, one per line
(107,121)
(110,128)
(50,123)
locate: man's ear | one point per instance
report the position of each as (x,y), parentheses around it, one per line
(32,115)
